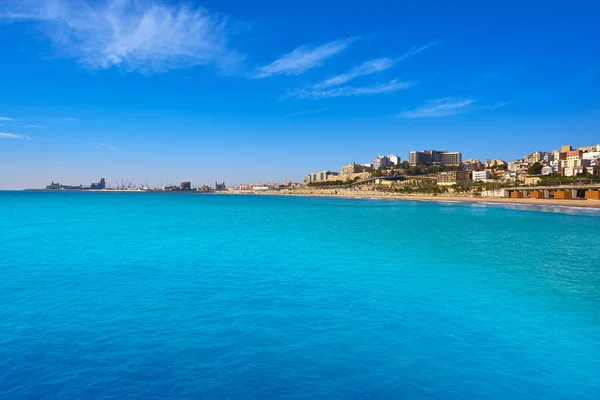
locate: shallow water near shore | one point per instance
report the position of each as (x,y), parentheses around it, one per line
(118,295)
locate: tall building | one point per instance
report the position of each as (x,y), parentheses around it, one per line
(394,160)
(419,157)
(381,162)
(574,162)
(434,157)
(452,158)
(185,185)
(566,148)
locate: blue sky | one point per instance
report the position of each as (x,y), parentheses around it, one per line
(267,90)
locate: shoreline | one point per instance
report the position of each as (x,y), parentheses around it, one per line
(570,203)
(567,203)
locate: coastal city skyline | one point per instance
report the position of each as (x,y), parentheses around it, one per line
(449,168)
(222,95)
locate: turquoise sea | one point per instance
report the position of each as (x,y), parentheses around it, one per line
(157,296)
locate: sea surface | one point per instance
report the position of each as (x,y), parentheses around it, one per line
(176,296)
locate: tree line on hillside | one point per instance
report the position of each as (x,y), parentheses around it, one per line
(337,182)
(406,169)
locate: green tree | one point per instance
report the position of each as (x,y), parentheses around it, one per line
(535,169)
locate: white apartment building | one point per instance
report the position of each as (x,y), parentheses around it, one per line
(381,162)
(394,159)
(482,176)
(593,157)
(547,170)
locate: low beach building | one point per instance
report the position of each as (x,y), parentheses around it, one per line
(355,168)
(451,177)
(320,176)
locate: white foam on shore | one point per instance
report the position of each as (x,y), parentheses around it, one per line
(515,206)
(538,206)
(519,206)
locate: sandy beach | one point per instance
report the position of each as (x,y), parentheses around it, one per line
(582,203)
(395,196)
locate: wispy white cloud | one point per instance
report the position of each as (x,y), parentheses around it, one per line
(346,91)
(371,67)
(107,147)
(70,119)
(7,119)
(32,126)
(439,108)
(302,59)
(366,68)
(6,135)
(447,107)
(144,35)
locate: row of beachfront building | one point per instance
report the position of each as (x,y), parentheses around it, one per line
(567,161)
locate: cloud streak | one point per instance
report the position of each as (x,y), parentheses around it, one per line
(447,107)
(302,59)
(7,119)
(107,147)
(371,67)
(6,135)
(346,91)
(135,35)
